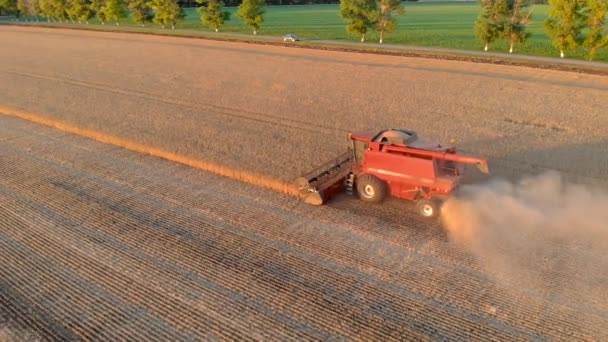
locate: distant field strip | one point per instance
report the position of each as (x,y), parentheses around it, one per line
(244,176)
(540,79)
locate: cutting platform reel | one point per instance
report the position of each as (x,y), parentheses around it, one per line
(319,185)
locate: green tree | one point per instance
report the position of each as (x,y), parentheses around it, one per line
(252,13)
(53,9)
(69,13)
(70,10)
(490,22)
(385,23)
(516,22)
(79,10)
(565,23)
(140,11)
(8,7)
(45,9)
(359,15)
(114,10)
(597,37)
(23,8)
(213,14)
(166,12)
(33,8)
(97,8)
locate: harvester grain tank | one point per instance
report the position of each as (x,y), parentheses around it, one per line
(391,162)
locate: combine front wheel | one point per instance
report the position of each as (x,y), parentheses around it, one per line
(371,188)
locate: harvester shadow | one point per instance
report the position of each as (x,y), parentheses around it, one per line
(581,163)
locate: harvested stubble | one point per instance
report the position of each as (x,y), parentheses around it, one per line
(106,243)
(278,112)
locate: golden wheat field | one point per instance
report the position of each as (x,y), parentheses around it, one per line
(275,111)
(100,240)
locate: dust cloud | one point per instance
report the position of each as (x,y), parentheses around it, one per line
(541,232)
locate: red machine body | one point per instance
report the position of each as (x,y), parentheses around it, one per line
(391,162)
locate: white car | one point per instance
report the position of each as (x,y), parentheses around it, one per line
(290,38)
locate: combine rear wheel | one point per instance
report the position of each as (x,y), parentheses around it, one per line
(370,188)
(428,208)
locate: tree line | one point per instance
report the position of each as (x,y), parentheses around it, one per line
(165,13)
(9,7)
(571,24)
(162,12)
(234,3)
(361,15)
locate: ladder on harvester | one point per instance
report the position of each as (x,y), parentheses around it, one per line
(350,184)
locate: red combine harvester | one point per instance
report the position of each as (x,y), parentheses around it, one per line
(391,162)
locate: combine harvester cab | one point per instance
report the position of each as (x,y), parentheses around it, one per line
(392,162)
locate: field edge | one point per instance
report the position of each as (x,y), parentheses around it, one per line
(538,62)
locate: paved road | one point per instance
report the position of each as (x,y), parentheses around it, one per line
(102,243)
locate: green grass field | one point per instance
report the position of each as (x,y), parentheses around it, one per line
(433,24)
